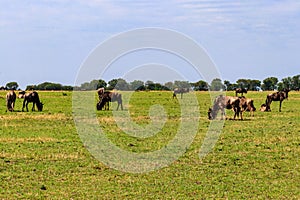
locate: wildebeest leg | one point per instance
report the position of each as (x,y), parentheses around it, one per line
(27,106)
(33,104)
(23,105)
(280,106)
(174,95)
(181,95)
(107,105)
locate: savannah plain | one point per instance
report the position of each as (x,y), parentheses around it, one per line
(42,156)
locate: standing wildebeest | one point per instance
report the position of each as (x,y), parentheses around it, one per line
(240,90)
(10,100)
(277,96)
(34,98)
(109,97)
(247,105)
(180,91)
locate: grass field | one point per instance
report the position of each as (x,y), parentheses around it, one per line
(42,156)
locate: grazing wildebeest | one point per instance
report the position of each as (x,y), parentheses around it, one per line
(240,90)
(109,97)
(100,92)
(277,96)
(21,94)
(221,102)
(34,98)
(180,91)
(10,100)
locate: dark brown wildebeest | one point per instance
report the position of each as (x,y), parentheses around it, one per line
(10,100)
(21,94)
(221,102)
(180,91)
(277,96)
(240,90)
(109,97)
(34,98)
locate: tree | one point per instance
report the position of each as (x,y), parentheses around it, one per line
(287,82)
(12,86)
(243,83)
(269,83)
(230,86)
(112,84)
(296,82)
(216,85)
(137,85)
(169,85)
(122,85)
(182,84)
(101,84)
(200,86)
(254,85)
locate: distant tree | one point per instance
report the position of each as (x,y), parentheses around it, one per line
(31,87)
(269,83)
(254,85)
(296,82)
(67,87)
(216,85)
(112,84)
(243,83)
(229,86)
(200,86)
(150,85)
(169,85)
(122,85)
(286,83)
(137,85)
(101,84)
(12,86)
(280,86)
(182,84)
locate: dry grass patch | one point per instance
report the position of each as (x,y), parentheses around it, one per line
(56,116)
(29,140)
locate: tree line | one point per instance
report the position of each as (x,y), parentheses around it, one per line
(270,83)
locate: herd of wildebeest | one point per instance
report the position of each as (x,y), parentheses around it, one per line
(238,104)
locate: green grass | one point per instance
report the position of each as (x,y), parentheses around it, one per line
(42,156)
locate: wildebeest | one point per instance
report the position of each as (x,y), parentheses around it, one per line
(277,96)
(180,91)
(237,104)
(221,102)
(10,100)
(34,98)
(100,92)
(247,105)
(21,94)
(240,90)
(264,108)
(109,97)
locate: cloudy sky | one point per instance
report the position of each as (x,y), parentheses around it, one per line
(48,40)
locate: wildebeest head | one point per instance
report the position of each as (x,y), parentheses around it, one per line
(264,108)
(286,93)
(40,106)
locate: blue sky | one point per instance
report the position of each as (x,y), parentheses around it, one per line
(47,40)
